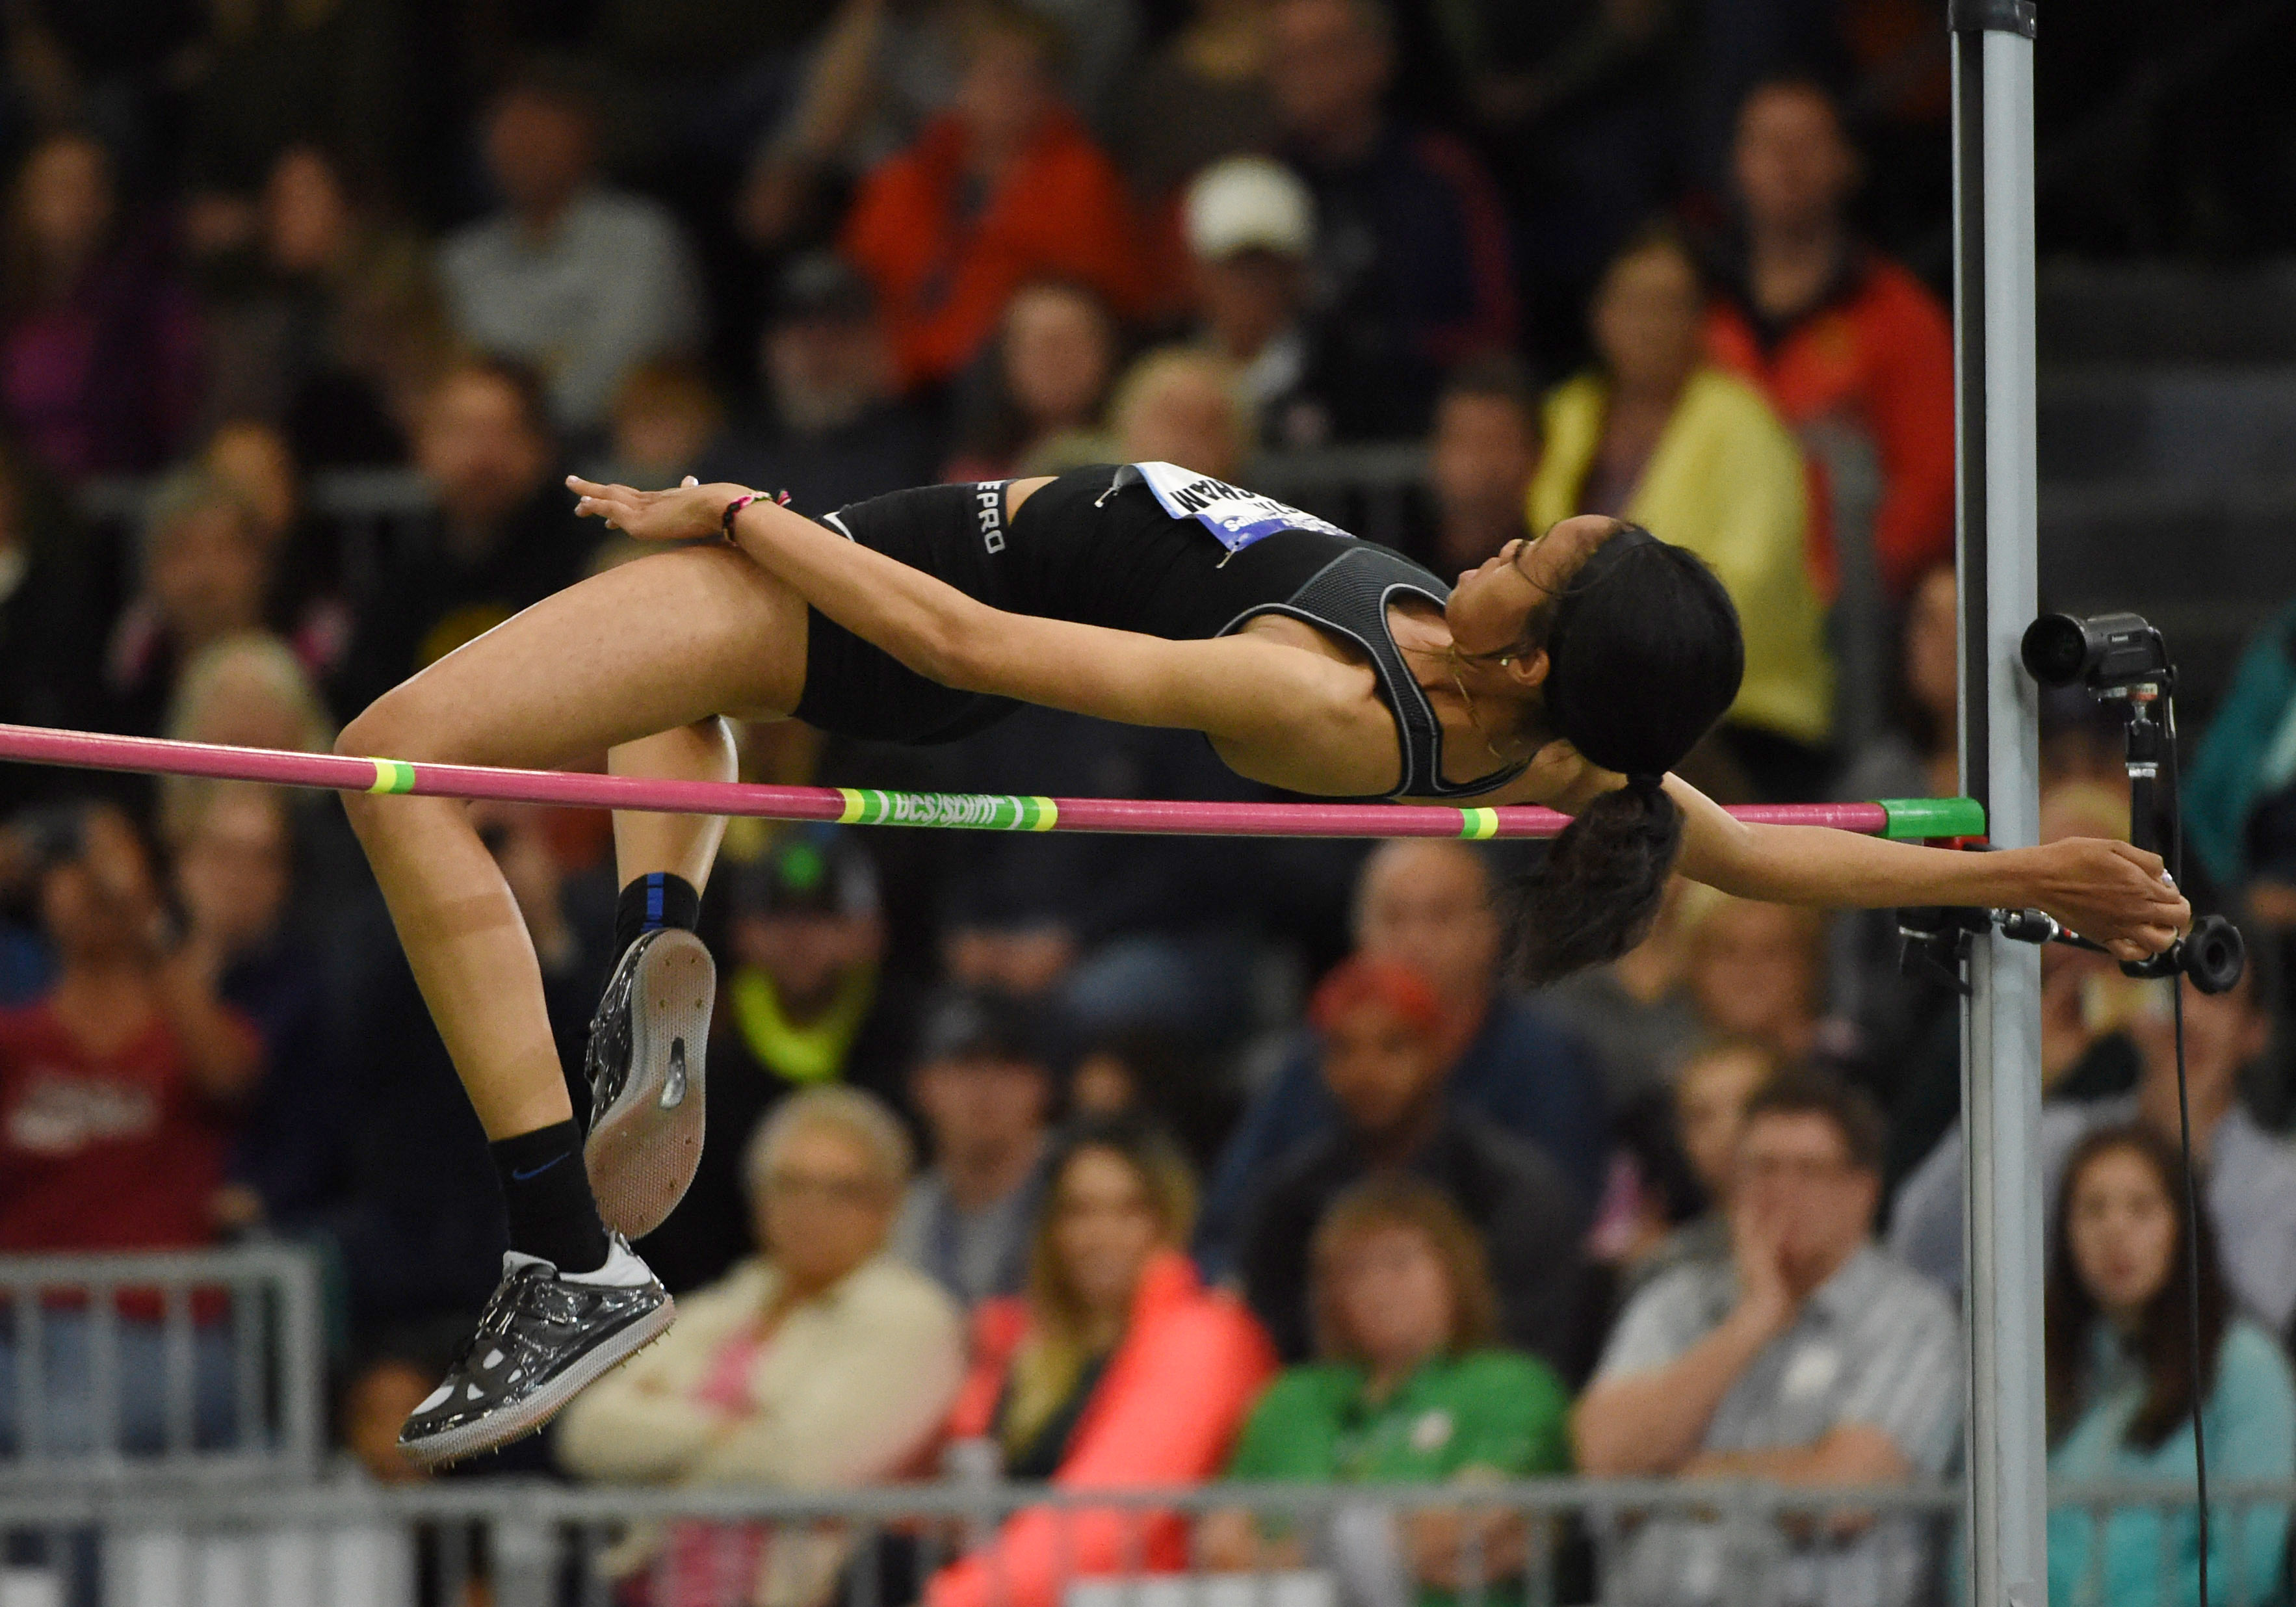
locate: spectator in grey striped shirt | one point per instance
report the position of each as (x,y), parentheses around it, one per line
(1809,1357)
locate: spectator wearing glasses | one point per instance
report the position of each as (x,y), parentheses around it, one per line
(820,1363)
(1809,1357)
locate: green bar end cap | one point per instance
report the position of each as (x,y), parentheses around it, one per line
(1926,818)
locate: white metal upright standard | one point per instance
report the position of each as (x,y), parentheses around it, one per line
(2001,1038)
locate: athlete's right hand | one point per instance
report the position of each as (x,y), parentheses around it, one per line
(690,513)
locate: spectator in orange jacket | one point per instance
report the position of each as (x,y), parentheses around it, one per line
(1005,187)
(1118,1370)
(1835,333)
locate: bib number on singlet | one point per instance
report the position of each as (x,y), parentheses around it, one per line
(1236,517)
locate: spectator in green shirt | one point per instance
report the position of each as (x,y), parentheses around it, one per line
(1410,1389)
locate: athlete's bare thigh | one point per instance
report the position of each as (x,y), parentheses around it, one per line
(650,645)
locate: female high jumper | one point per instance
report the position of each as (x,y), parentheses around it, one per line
(1574,671)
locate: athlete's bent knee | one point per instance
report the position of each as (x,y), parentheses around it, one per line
(376,732)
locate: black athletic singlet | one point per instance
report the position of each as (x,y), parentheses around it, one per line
(1096,546)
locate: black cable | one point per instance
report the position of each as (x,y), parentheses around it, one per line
(2184,1143)
(2191,1282)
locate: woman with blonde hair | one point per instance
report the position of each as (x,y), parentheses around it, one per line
(1182,405)
(820,1363)
(1409,1387)
(1116,1369)
(249,688)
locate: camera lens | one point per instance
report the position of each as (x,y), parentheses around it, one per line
(2055,649)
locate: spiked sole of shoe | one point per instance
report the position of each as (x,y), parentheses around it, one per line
(507,1424)
(642,1149)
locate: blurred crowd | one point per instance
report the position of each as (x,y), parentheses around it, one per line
(1083,1158)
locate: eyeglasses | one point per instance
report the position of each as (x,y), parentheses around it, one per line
(852,1191)
(1793,1168)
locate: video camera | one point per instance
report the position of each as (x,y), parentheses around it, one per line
(2118,658)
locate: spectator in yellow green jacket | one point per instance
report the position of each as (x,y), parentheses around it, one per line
(1410,1390)
(1658,435)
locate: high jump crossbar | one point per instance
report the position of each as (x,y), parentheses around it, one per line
(1902,818)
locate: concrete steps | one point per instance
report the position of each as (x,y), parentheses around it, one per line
(2167,451)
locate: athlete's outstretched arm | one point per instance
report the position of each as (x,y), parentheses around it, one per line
(2106,891)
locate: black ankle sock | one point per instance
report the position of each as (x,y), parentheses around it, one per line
(547,1192)
(655,899)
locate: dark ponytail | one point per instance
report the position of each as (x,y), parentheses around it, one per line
(1599,888)
(1644,656)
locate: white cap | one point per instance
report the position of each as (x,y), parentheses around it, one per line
(1247,203)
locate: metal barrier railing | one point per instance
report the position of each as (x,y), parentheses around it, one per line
(1377,491)
(206,1363)
(513,1543)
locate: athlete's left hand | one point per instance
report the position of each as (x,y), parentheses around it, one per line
(691,513)
(2116,895)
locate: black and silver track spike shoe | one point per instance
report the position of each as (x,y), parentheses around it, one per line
(545,1337)
(647,1042)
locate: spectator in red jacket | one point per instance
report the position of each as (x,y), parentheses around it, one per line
(1005,187)
(1841,337)
(115,1085)
(117,1090)
(1119,1370)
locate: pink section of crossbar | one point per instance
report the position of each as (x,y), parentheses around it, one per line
(90,751)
